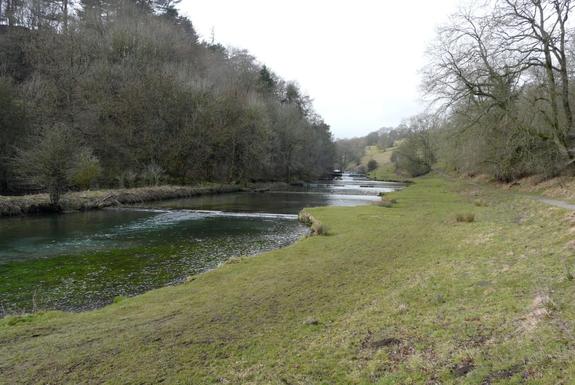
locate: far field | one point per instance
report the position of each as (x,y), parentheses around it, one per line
(399,295)
(385,169)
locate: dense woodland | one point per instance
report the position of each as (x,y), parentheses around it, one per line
(122,93)
(499,77)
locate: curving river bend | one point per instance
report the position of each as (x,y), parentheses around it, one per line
(84,260)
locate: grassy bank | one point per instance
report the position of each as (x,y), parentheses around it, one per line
(558,188)
(91,200)
(400,295)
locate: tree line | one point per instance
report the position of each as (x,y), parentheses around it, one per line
(124,93)
(500,80)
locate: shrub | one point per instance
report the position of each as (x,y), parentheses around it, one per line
(319,229)
(153,174)
(127,179)
(371,165)
(465,217)
(86,170)
(439,299)
(568,273)
(408,163)
(233,260)
(119,298)
(52,159)
(480,203)
(415,155)
(386,202)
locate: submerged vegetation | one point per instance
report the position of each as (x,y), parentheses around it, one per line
(125,94)
(130,258)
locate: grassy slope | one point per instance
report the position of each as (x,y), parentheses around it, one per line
(385,169)
(558,188)
(401,295)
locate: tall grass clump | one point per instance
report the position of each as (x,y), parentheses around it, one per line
(465,217)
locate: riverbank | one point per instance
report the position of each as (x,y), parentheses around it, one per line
(98,199)
(397,295)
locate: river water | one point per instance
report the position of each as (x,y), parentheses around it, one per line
(85,260)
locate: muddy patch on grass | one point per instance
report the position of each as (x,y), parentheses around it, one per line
(461,369)
(397,350)
(501,374)
(373,342)
(378,344)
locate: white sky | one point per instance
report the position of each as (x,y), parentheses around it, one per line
(359,60)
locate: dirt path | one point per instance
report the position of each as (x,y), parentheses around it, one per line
(556,203)
(542,199)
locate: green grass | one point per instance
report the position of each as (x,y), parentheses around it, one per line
(399,295)
(385,169)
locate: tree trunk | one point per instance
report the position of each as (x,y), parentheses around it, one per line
(10,12)
(565,92)
(558,132)
(568,134)
(54,192)
(65,15)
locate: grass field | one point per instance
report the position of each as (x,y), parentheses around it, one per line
(399,295)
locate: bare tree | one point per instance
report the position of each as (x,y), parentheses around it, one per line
(537,30)
(469,64)
(416,154)
(51,161)
(488,55)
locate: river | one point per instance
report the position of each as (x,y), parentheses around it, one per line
(85,260)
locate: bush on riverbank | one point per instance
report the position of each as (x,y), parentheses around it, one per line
(386,202)
(316,227)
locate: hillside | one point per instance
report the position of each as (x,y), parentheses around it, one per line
(385,169)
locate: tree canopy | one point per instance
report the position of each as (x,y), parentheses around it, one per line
(134,85)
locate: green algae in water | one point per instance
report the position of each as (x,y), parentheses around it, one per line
(171,246)
(85,260)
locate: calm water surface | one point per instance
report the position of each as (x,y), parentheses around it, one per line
(84,260)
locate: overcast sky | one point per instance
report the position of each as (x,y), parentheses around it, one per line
(359,60)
